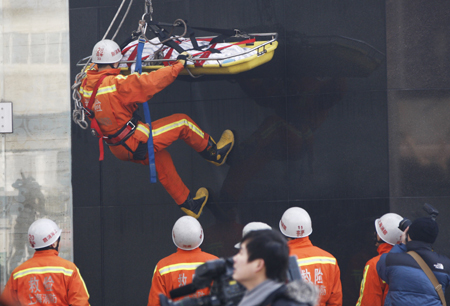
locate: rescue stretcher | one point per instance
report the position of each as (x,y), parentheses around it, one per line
(245,53)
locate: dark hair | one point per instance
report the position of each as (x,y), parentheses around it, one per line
(271,247)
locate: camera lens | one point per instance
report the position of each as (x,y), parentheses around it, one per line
(403,225)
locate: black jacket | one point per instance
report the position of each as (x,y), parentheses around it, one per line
(296,293)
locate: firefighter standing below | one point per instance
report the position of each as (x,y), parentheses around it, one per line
(178,269)
(116,102)
(317,266)
(373,289)
(46,278)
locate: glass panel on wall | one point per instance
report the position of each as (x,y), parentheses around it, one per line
(35,164)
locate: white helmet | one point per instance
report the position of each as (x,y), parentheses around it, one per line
(296,223)
(252,226)
(387,228)
(42,233)
(106,52)
(187,233)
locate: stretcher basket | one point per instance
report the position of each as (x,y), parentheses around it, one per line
(263,47)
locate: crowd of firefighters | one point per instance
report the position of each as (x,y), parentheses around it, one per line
(48,279)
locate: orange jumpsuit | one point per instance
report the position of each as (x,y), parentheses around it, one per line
(115,103)
(320,268)
(373,289)
(175,271)
(46,279)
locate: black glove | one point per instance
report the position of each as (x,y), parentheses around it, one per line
(183,57)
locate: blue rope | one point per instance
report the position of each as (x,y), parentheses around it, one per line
(151,151)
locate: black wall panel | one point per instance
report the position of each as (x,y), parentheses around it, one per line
(311,130)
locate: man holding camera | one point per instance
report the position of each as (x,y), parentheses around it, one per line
(412,280)
(261,267)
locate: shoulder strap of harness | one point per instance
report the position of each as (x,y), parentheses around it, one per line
(91,114)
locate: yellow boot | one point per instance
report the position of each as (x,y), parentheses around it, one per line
(218,153)
(194,206)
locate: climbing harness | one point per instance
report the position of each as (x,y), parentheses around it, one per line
(94,124)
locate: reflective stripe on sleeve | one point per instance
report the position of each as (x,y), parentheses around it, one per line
(177,124)
(82,281)
(101,91)
(106,89)
(316,260)
(363,284)
(43,270)
(154,271)
(180,266)
(144,129)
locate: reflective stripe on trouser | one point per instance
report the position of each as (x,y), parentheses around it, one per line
(165,131)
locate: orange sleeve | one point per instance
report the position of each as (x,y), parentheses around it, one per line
(77,293)
(157,288)
(9,296)
(336,289)
(372,287)
(142,87)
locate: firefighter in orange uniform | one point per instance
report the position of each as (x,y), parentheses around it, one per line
(114,111)
(178,269)
(317,266)
(373,289)
(46,278)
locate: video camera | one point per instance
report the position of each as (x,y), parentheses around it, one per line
(225,291)
(433,212)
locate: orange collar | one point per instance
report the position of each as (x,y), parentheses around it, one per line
(300,242)
(196,250)
(384,248)
(46,253)
(111,71)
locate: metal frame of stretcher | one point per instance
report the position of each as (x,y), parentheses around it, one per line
(264,53)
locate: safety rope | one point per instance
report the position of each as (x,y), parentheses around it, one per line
(151,151)
(123,19)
